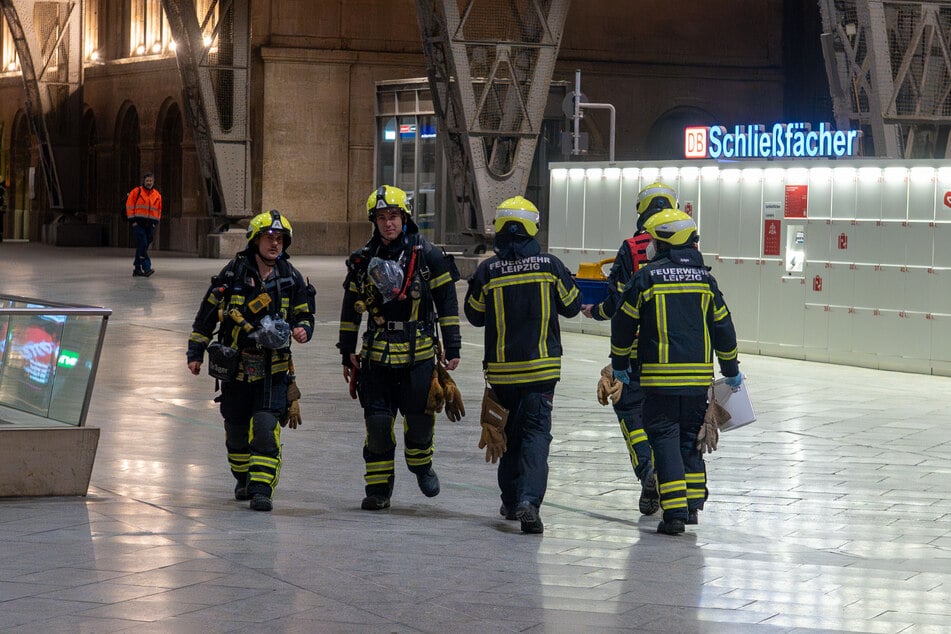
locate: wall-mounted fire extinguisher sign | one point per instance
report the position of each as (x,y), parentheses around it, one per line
(843,241)
(817,284)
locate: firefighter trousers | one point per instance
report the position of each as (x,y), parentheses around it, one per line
(384,392)
(672,423)
(523,468)
(630,417)
(251,415)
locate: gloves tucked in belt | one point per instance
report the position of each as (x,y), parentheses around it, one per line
(609,387)
(291,417)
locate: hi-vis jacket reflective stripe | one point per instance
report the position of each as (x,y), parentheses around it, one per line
(677,312)
(518,302)
(144,203)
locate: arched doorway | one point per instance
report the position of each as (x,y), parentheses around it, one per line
(128,170)
(22,181)
(89,168)
(665,141)
(169,133)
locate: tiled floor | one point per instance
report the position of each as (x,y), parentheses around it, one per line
(831,513)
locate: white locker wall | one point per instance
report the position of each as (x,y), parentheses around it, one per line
(875,287)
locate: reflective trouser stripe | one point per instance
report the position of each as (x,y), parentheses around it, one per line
(673,495)
(697,486)
(379,472)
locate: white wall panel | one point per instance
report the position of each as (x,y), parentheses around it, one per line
(917,285)
(602,213)
(820,193)
(708,212)
(815,325)
(940,341)
(868,199)
(895,193)
(867,283)
(919,244)
(885,298)
(844,192)
(840,284)
(866,337)
(939,282)
(751,215)
(792,294)
(942,244)
(559,203)
(574,219)
(840,331)
(728,215)
(740,287)
(921,193)
(866,244)
(889,292)
(818,240)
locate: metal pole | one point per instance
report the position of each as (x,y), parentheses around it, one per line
(576,147)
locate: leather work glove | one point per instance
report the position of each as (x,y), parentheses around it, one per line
(608,387)
(493,419)
(291,417)
(455,410)
(493,440)
(715,417)
(437,395)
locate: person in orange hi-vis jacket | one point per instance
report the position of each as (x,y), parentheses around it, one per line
(143,208)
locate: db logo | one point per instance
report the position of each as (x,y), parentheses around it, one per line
(695,144)
(947,199)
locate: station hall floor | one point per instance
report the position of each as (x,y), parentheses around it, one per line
(831,513)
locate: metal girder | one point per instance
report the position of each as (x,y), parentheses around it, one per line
(48,35)
(889,67)
(216,96)
(490,64)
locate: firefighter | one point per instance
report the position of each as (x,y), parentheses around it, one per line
(517,296)
(406,286)
(676,312)
(260,302)
(627,399)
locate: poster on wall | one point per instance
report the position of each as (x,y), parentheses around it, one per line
(771,236)
(796,198)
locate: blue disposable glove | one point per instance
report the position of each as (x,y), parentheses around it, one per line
(733,381)
(624,376)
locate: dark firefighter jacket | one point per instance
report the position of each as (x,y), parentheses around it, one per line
(675,308)
(401,332)
(238,287)
(518,301)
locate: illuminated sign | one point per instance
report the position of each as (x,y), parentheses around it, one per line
(783,140)
(67,358)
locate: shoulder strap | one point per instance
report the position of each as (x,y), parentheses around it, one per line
(638,246)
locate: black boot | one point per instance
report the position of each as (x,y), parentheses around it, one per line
(649,503)
(428,483)
(375,502)
(527,514)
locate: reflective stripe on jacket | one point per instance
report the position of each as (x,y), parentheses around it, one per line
(676,311)
(518,302)
(144,203)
